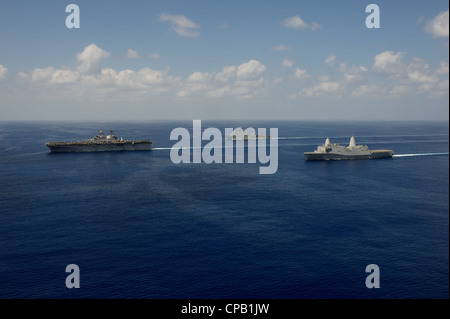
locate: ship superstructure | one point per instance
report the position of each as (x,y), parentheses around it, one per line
(329,151)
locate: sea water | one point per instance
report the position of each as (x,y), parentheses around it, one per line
(139,226)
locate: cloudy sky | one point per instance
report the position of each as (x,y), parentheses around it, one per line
(224,59)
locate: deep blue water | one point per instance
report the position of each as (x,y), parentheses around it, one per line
(139,226)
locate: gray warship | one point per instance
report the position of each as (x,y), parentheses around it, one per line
(335,151)
(100,143)
(240,134)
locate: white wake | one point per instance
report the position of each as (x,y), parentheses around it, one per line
(419,154)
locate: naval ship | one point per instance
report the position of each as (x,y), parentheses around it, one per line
(101,143)
(335,151)
(240,134)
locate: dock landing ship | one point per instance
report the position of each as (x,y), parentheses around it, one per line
(101,143)
(335,151)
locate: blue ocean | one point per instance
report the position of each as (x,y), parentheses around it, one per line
(139,226)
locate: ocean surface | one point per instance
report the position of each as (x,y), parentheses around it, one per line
(139,226)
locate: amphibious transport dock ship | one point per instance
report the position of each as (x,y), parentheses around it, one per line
(335,151)
(101,143)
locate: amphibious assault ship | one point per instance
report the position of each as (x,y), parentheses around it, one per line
(101,143)
(335,151)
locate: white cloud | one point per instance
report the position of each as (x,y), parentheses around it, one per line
(277,80)
(106,78)
(132,54)
(226,74)
(224,26)
(199,77)
(353,74)
(89,60)
(328,86)
(318,90)
(434,90)
(368,90)
(250,69)
(441,89)
(362,90)
(3,72)
(153,55)
(420,77)
(416,76)
(250,83)
(180,24)
(443,69)
(88,79)
(143,79)
(388,63)
(149,76)
(280,47)
(330,60)
(64,76)
(438,27)
(219,92)
(300,74)
(296,22)
(242,81)
(314,26)
(42,75)
(419,72)
(400,90)
(287,63)
(390,75)
(130,83)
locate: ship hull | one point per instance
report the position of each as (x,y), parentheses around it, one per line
(312,156)
(59,147)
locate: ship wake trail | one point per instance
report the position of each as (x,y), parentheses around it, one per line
(420,154)
(183,148)
(161,148)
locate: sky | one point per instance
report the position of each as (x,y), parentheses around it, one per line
(224,60)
